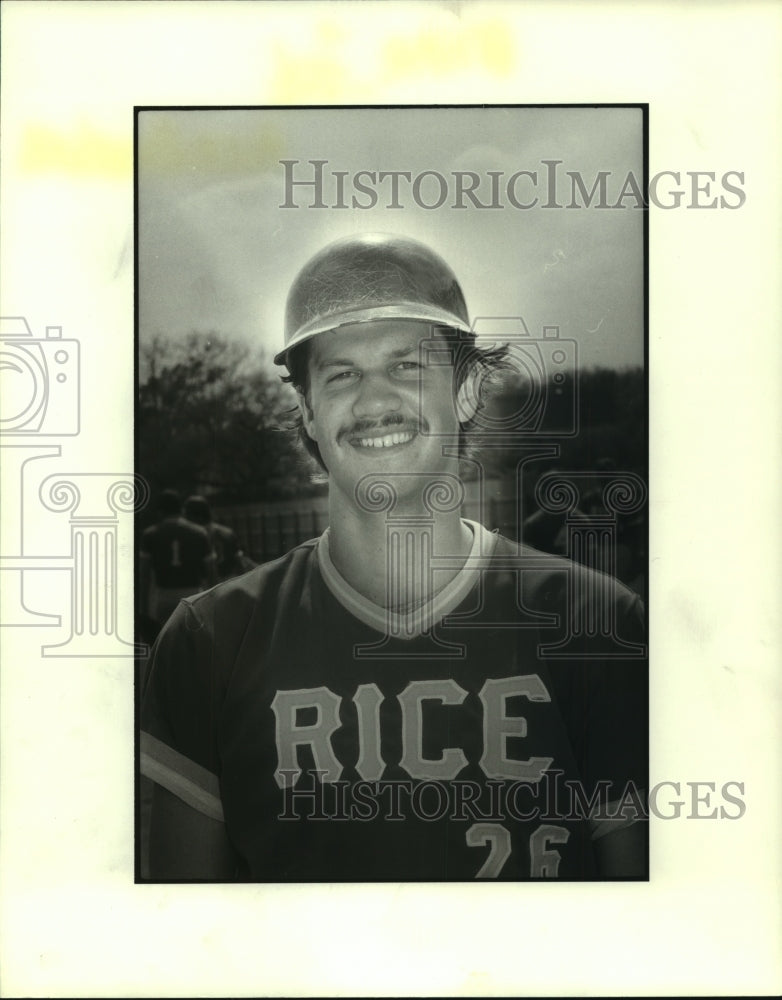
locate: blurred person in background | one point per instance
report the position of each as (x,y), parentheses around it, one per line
(231,560)
(176,560)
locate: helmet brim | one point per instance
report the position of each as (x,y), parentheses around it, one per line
(413,311)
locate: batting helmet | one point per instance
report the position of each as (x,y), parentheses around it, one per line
(371,277)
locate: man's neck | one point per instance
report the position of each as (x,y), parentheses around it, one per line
(387,559)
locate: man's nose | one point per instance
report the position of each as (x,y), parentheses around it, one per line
(377,396)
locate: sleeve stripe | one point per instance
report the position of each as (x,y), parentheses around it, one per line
(182,777)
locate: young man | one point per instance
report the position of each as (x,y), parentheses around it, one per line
(229,557)
(176,560)
(406,697)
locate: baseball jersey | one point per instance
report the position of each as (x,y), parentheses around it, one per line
(493,732)
(226,548)
(177,549)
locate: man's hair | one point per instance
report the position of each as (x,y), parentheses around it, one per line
(169,503)
(468,359)
(197,510)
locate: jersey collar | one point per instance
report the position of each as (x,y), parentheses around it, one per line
(409,624)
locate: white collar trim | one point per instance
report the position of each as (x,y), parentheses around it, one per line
(409,624)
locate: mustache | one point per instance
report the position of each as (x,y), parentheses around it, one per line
(393,421)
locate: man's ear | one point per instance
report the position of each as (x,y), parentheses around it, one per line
(468,397)
(306,416)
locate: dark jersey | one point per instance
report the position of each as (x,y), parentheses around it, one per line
(493,733)
(226,549)
(178,550)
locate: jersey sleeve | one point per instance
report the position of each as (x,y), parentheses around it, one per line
(179,712)
(206,546)
(605,704)
(231,546)
(200,547)
(618,743)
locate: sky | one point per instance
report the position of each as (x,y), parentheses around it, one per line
(217,252)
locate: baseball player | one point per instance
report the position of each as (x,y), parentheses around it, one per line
(409,696)
(231,560)
(176,560)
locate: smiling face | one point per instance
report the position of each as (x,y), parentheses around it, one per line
(377,403)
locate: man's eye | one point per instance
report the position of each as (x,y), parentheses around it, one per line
(408,366)
(341,377)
